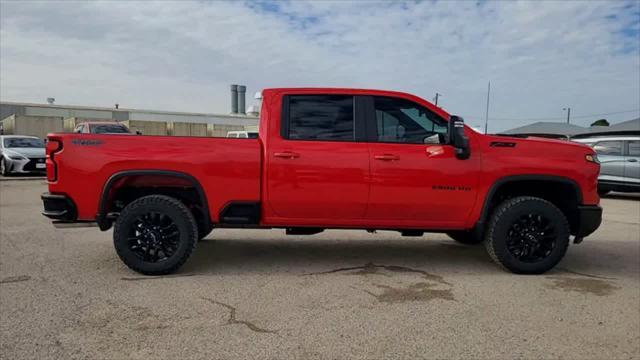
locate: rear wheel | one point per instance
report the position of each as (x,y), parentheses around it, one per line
(155,235)
(527,235)
(465,237)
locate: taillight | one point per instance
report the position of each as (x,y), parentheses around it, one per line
(53,146)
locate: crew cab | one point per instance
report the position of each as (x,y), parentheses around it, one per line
(329,159)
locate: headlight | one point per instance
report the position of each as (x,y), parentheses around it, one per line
(15,156)
(592,158)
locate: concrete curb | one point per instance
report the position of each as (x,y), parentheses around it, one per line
(22,178)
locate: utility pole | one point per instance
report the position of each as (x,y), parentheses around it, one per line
(568,110)
(436,98)
(486,117)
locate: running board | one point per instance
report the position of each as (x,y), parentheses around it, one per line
(72,225)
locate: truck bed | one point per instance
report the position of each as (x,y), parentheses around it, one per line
(227,169)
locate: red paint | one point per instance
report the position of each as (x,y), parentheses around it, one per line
(322,183)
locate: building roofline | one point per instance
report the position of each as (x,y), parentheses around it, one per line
(99,108)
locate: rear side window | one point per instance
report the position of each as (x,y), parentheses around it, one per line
(634,148)
(608,148)
(321,117)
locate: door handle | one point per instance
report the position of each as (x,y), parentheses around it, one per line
(386,157)
(632,160)
(286,155)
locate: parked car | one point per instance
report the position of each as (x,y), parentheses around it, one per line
(21,154)
(619,158)
(243,134)
(329,158)
(106,127)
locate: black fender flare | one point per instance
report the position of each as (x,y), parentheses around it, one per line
(516,178)
(101,217)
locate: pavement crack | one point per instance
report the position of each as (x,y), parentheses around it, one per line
(140,278)
(371,268)
(233,321)
(13,279)
(586,275)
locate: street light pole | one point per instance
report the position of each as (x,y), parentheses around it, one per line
(568,110)
(436,98)
(486,117)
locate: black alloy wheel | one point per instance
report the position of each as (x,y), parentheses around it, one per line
(154,237)
(527,235)
(155,234)
(531,238)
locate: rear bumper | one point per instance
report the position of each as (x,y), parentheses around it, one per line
(589,219)
(59,207)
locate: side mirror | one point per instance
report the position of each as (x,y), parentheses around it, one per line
(457,138)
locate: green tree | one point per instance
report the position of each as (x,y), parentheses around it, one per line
(601,122)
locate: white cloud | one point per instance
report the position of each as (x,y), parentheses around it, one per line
(540,56)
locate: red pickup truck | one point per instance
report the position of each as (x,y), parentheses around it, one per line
(329,158)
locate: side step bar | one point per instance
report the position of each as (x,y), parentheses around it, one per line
(73,225)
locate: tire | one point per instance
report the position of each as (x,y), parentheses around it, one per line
(4,170)
(155,235)
(527,235)
(465,237)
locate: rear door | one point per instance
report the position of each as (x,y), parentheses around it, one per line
(632,163)
(317,171)
(416,179)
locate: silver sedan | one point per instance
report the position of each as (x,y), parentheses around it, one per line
(21,154)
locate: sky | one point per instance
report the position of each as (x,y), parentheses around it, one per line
(540,57)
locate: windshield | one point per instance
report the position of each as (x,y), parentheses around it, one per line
(23,143)
(109,129)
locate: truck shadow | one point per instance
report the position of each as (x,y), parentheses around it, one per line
(236,256)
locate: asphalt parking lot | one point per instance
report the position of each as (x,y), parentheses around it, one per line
(336,295)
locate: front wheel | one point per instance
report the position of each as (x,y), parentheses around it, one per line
(527,235)
(155,235)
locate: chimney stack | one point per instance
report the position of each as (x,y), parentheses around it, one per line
(234,99)
(242,109)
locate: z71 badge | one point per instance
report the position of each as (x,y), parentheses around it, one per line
(86,142)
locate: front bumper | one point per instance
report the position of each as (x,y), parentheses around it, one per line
(59,207)
(589,219)
(25,166)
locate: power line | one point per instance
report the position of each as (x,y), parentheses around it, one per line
(561,117)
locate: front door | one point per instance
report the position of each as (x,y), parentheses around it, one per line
(416,179)
(316,170)
(632,163)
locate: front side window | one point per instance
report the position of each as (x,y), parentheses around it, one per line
(321,117)
(403,121)
(608,148)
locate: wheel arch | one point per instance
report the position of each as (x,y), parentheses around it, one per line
(118,180)
(519,185)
